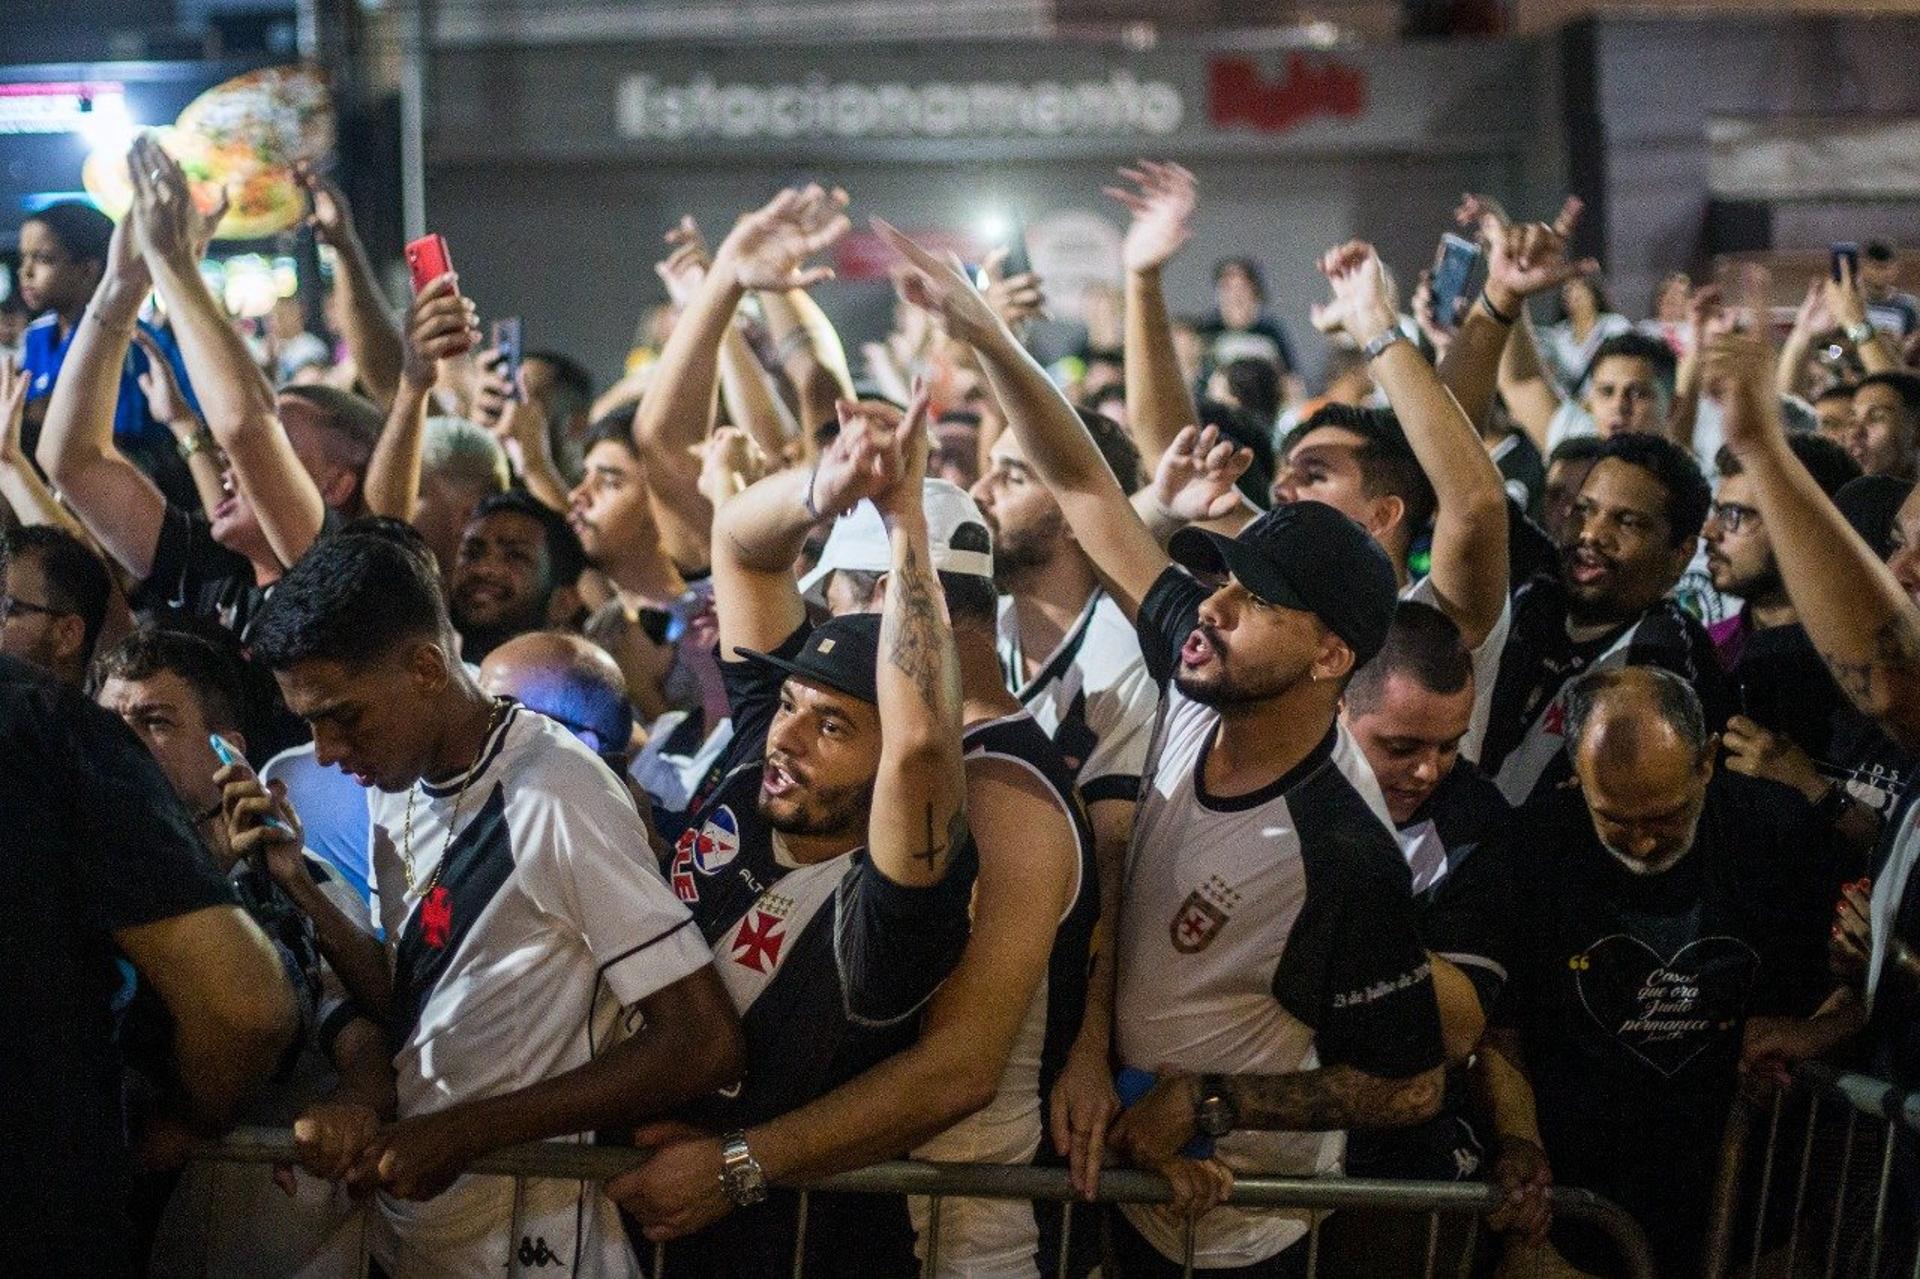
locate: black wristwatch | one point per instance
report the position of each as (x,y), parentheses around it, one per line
(1214,1112)
(1831,807)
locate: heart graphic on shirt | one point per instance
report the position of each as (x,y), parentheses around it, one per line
(1665,1010)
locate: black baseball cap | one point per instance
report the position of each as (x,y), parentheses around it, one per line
(1306,556)
(840,654)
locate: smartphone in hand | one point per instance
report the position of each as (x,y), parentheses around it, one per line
(228,757)
(1453,277)
(1845,254)
(428,260)
(507,350)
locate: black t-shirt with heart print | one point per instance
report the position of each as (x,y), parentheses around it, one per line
(1631,991)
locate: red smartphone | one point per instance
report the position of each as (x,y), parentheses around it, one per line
(428,259)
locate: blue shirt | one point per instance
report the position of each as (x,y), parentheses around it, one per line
(42,352)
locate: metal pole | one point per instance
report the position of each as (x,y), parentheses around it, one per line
(1186,1250)
(1716,1253)
(1840,1195)
(1066,1238)
(519,1222)
(413,116)
(1800,1185)
(1433,1243)
(1766,1177)
(1880,1201)
(800,1236)
(931,1266)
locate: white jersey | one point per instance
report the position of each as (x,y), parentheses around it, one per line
(1092,696)
(1485,658)
(1262,934)
(515,961)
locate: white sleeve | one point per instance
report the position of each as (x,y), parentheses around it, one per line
(1569,420)
(1486,665)
(588,862)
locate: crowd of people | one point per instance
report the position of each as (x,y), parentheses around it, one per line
(1481,769)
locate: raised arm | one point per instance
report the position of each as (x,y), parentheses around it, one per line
(1812,319)
(169,406)
(744,388)
(1159,402)
(1863,623)
(21,487)
(765,249)
(918,819)
(121,507)
(1848,305)
(759,533)
(810,353)
(234,397)
(1051,434)
(440,325)
(1523,259)
(373,338)
(1470,520)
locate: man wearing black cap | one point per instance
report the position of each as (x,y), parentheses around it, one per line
(1271,972)
(830,870)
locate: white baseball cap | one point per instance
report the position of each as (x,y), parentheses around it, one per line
(859,540)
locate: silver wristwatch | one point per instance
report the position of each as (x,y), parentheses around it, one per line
(1860,334)
(740,1175)
(1374,349)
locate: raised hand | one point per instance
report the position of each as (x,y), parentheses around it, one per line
(1362,305)
(1737,372)
(168,224)
(685,267)
(769,248)
(329,215)
(1845,300)
(941,289)
(1814,316)
(13,410)
(1161,201)
(729,464)
(1015,299)
(1198,475)
(1524,258)
(864,460)
(441,324)
(906,495)
(165,401)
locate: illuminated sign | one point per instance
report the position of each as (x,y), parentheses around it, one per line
(62,108)
(701,107)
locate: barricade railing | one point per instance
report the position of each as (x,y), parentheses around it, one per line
(939,1181)
(1832,1137)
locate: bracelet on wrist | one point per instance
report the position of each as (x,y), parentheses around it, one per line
(1377,346)
(200,439)
(812,476)
(1494,313)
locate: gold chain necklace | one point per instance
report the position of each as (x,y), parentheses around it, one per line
(453,818)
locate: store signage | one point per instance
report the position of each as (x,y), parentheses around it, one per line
(1118,103)
(1239,95)
(59,107)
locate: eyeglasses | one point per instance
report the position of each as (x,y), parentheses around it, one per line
(1732,515)
(12,607)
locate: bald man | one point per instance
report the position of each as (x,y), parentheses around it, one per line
(568,679)
(1657,903)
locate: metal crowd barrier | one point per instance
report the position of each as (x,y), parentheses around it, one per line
(1836,1223)
(938,1181)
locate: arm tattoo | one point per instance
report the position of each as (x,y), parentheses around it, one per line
(1896,654)
(1335,1097)
(913,634)
(936,848)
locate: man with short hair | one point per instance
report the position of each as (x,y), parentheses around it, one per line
(1629,388)
(1782,684)
(54,601)
(1885,436)
(1631,535)
(461,464)
(1261,843)
(1833,410)
(1889,309)
(1653,910)
(1409,709)
(514,572)
(526,919)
